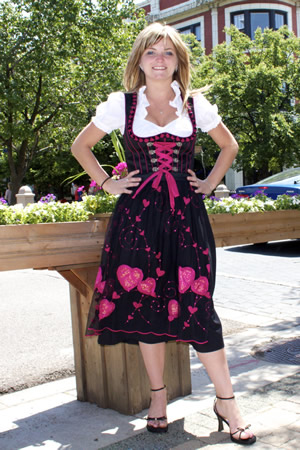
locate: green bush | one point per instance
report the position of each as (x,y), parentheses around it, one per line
(102,203)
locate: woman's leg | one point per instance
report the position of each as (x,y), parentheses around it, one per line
(217,369)
(154,360)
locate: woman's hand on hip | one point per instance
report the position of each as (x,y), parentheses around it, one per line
(201,186)
(123,185)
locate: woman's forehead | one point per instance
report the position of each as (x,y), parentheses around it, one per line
(164,42)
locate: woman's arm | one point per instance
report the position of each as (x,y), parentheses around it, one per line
(229,148)
(82,150)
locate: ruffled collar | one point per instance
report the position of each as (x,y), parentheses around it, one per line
(175,103)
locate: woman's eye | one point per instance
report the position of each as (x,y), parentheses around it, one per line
(169,53)
(150,52)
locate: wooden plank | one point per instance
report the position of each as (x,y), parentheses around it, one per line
(116,372)
(138,383)
(87,275)
(74,281)
(183,357)
(171,376)
(48,245)
(250,228)
(177,369)
(78,344)
(80,243)
(92,357)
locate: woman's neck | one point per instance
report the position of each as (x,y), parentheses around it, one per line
(159,91)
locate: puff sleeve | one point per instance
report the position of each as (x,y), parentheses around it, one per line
(110,115)
(206,114)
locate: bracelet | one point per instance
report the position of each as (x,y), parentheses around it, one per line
(209,185)
(101,185)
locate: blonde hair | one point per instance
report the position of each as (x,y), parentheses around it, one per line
(134,77)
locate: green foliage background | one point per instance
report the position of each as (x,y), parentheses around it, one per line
(58,60)
(256,87)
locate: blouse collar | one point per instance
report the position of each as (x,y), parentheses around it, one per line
(176,102)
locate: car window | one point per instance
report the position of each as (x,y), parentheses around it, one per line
(289,173)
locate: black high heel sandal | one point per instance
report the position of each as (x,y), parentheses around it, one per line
(158,429)
(239,430)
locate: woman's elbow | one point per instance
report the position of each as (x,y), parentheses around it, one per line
(75,148)
(235,148)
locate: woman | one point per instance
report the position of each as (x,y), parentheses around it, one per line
(157,273)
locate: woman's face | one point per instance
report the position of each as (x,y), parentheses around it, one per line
(159,61)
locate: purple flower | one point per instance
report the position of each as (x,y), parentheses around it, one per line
(80,189)
(3,201)
(258,193)
(48,198)
(216,199)
(237,196)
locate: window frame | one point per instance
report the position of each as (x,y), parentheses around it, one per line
(189,24)
(257,7)
(247,18)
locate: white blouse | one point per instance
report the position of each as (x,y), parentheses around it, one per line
(110,115)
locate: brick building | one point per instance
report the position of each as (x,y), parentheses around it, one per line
(207,19)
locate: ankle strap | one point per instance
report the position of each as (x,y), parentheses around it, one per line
(160,389)
(228,398)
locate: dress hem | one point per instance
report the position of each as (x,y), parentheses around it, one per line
(171,336)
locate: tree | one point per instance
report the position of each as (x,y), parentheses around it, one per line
(256,86)
(58,59)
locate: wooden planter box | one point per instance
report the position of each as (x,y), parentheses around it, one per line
(252,228)
(74,250)
(79,243)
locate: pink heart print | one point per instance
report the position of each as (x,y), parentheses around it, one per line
(146,203)
(186,276)
(200,287)
(129,277)
(192,309)
(137,305)
(160,272)
(147,286)
(99,284)
(186,200)
(105,308)
(173,309)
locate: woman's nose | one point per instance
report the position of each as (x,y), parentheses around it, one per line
(160,56)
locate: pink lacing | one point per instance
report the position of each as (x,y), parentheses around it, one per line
(164,153)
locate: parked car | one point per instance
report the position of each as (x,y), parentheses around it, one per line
(286,182)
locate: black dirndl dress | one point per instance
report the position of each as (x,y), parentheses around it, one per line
(157,273)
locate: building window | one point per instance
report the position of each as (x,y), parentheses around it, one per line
(195,29)
(248,21)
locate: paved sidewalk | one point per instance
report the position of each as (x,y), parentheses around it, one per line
(49,416)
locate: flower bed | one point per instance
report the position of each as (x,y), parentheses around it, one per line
(54,212)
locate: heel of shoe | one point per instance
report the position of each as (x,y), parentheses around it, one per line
(220,424)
